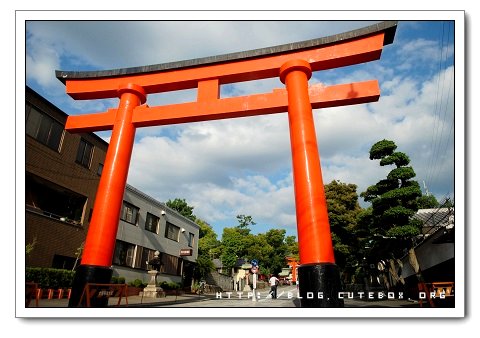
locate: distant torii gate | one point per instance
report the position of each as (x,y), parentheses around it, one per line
(294,64)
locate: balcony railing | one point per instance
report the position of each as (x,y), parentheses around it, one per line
(52,215)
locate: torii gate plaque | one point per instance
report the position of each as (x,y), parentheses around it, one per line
(293,63)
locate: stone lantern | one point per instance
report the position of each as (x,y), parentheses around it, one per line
(152,290)
(246,272)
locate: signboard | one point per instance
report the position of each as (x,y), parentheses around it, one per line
(254,266)
(186,252)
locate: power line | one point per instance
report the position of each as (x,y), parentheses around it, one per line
(440,109)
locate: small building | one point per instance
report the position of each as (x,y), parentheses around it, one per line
(435,247)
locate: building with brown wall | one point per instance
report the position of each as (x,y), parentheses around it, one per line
(62,172)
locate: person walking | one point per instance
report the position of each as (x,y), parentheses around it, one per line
(273,286)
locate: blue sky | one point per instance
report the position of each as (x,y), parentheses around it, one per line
(243,166)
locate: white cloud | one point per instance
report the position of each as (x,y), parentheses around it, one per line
(40,60)
(207,164)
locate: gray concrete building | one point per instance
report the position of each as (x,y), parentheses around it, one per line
(147,225)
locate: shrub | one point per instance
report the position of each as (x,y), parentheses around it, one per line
(117,280)
(48,278)
(170,285)
(138,283)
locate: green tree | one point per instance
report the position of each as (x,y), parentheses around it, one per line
(235,241)
(244,223)
(208,248)
(233,247)
(182,207)
(277,256)
(394,201)
(427,202)
(343,210)
(292,247)
(204,266)
(208,244)
(258,247)
(269,249)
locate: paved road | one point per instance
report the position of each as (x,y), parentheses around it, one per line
(286,298)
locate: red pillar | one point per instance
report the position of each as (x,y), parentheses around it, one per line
(100,242)
(320,273)
(102,232)
(314,237)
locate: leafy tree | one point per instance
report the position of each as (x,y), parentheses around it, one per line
(276,239)
(427,202)
(204,266)
(343,208)
(208,248)
(258,247)
(233,247)
(235,241)
(394,201)
(270,248)
(244,223)
(292,247)
(208,244)
(181,206)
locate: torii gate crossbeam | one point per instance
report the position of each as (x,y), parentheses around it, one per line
(294,64)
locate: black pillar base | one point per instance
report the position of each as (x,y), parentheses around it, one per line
(89,274)
(319,285)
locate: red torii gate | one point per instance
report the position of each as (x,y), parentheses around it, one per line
(294,64)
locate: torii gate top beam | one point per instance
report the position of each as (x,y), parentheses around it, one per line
(357,46)
(207,74)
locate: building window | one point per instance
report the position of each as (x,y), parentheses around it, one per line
(124,254)
(43,128)
(133,256)
(151,223)
(54,201)
(84,153)
(191,239)
(100,169)
(129,213)
(171,265)
(172,231)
